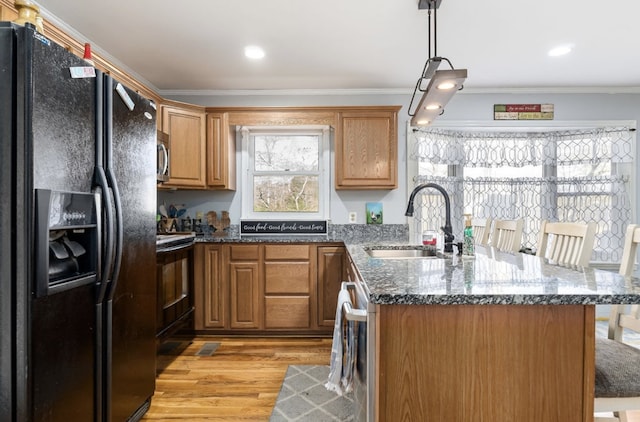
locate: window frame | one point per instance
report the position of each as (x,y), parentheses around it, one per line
(248,134)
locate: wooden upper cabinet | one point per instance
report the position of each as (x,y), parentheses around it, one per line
(367,148)
(7,14)
(187,146)
(221,152)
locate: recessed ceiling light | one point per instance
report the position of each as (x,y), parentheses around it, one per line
(560,50)
(253,52)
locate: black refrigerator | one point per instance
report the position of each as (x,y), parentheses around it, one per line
(77,233)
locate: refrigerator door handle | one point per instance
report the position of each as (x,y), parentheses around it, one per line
(101,186)
(103,190)
(113,185)
(119,239)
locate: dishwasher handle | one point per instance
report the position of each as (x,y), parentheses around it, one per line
(350,313)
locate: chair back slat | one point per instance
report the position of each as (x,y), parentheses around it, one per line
(631,240)
(566,243)
(481,229)
(507,235)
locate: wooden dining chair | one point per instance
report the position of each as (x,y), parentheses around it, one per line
(481,230)
(507,235)
(630,247)
(618,363)
(566,243)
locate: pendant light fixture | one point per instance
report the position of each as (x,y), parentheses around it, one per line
(440,84)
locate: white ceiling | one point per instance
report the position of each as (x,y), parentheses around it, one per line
(377,45)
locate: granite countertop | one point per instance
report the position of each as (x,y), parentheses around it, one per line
(489,277)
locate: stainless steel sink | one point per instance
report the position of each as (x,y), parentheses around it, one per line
(402,253)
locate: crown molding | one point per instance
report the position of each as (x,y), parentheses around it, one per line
(393,91)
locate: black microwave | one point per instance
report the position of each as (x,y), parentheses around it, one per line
(163,156)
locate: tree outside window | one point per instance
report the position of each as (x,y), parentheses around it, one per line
(286,172)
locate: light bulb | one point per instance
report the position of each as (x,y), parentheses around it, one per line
(253,52)
(446,85)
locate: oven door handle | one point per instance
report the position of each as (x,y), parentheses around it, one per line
(174,248)
(350,313)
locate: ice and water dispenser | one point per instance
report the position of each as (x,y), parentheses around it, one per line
(67,240)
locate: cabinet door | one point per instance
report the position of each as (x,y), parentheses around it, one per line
(211,289)
(245,295)
(332,271)
(187,147)
(366,149)
(221,152)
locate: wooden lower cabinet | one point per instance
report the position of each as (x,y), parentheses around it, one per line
(332,271)
(468,363)
(244,285)
(210,292)
(267,288)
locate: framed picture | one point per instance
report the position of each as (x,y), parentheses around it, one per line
(374,212)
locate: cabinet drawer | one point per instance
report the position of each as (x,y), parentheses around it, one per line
(287,312)
(244,252)
(272,252)
(286,277)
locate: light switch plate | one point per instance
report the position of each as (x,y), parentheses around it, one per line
(353,216)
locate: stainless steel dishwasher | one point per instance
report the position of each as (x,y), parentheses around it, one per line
(363,312)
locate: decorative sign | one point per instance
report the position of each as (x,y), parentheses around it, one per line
(283,227)
(523,112)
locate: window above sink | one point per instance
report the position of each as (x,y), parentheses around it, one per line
(286,172)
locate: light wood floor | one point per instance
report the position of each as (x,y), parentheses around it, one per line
(239,382)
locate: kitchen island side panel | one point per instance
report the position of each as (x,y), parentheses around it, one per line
(486,363)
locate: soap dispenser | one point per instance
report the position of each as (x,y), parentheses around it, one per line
(467,247)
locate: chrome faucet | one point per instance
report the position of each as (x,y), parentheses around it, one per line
(446,229)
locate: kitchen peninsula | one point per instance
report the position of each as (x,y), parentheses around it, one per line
(492,337)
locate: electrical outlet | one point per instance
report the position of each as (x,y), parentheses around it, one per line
(353,216)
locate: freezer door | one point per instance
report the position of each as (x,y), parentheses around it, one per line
(57,129)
